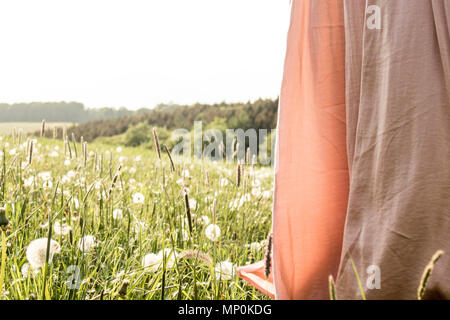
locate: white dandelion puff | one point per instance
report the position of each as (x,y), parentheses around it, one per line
(170,257)
(151,262)
(61,229)
(87,243)
(223,182)
(47,185)
(255,246)
(256,191)
(267,194)
(76,203)
(140,226)
(122,159)
(205,220)
(29,181)
(212,232)
(256,183)
(117,214)
(192,204)
(225,270)
(138,198)
(45,175)
(27,269)
(37,250)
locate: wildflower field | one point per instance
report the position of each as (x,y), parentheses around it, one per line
(100,221)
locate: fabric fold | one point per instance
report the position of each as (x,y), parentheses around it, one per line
(311,167)
(398,120)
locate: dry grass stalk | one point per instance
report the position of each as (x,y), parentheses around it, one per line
(30,152)
(195,254)
(43,128)
(188,211)
(157,145)
(172,166)
(74,145)
(268,255)
(238,175)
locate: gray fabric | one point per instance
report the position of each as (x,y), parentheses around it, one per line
(398,139)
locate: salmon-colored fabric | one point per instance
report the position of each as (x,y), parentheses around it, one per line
(311,168)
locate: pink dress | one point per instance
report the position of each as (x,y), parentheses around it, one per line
(362,177)
(311,178)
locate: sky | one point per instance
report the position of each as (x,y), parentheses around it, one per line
(139,53)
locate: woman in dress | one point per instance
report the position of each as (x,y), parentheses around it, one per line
(362,181)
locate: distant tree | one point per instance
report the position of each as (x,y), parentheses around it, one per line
(56,112)
(137,135)
(261,114)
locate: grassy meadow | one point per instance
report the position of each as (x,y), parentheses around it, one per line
(108,222)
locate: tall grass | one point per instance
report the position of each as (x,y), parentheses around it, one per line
(55,187)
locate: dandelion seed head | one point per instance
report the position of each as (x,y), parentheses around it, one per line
(225,270)
(212,232)
(27,270)
(61,229)
(29,181)
(193,204)
(223,182)
(47,185)
(87,243)
(138,198)
(256,191)
(37,249)
(45,175)
(76,203)
(205,220)
(267,194)
(151,262)
(117,214)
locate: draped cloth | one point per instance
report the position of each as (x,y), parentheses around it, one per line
(398,124)
(362,173)
(311,175)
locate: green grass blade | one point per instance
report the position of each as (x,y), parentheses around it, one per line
(3,267)
(357,278)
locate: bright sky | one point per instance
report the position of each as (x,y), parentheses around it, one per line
(138,53)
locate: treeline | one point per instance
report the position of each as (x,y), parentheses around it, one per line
(57,112)
(261,114)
